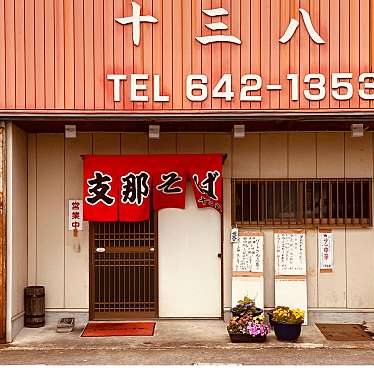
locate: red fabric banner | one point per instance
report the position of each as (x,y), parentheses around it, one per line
(100,190)
(122,187)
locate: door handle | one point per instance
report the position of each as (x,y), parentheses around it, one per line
(219,255)
(152,249)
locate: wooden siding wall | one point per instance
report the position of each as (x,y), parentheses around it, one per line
(2,235)
(55,176)
(55,54)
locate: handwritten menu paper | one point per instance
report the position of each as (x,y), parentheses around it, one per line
(290,252)
(248,253)
(326,250)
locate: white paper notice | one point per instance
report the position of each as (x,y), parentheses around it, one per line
(290,253)
(248,254)
(326,250)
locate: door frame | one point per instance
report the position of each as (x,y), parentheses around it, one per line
(123,315)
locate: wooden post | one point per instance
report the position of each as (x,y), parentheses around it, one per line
(2,234)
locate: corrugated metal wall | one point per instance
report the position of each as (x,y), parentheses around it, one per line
(55,54)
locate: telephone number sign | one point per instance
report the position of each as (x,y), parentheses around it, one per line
(313,87)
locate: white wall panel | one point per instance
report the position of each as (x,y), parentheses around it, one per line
(31,210)
(50,217)
(76,249)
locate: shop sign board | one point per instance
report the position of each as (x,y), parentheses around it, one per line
(290,253)
(75,215)
(248,253)
(326,250)
(187,56)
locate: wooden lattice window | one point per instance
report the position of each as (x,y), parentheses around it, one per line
(302,202)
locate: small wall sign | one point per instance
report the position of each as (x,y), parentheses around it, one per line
(75,215)
(326,251)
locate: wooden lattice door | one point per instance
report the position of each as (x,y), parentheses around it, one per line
(123,270)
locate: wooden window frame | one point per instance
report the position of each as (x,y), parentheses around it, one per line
(302,203)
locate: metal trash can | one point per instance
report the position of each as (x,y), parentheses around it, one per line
(34,306)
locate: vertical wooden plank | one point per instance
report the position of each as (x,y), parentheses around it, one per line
(304,42)
(206,54)
(2,55)
(99,54)
(295,52)
(3,268)
(139,56)
(187,42)
(314,54)
(108,53)
(274,51)
(334,44)
(59,55)
(196,46)
(49,29)
(226,49)
(128,50)
(69,53)
(19,24)
(245,21)
(364,42)
(255,44)
(167,53)
(157,46)
(284,55)
(148,53)
(177,54)
(10,77)
(266,64)
(79,55)
(89,74)
(354,49)
(235,30)
(324,59)
(345,21)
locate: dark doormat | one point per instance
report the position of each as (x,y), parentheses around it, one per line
(343,332)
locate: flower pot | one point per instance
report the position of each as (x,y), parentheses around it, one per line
(242,338)
(287,331)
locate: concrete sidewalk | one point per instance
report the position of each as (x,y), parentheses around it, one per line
(169,334)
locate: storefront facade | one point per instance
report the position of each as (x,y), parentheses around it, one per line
(296,74)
